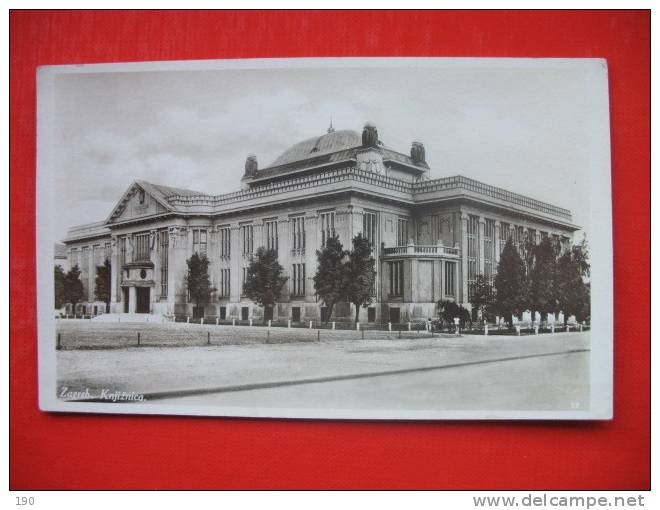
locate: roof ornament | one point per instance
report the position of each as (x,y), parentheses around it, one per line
(251,165)
(370,135)
(417,152)
(331,129)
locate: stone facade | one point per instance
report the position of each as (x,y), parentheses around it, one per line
(431,237)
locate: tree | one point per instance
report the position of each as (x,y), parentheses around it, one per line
(483,295)
(73,287)
(197,279)
(573,294)
(360,274)
(450,310)
(103,283)
(60,277)
(542,278)
(264,281)
(329,277)
(510,285)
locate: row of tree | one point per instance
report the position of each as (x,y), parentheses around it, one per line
(341,276)
(69,286)
(541,278)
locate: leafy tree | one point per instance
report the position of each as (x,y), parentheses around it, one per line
(197,279)
(510,284)
(329,277)
(60,277)
(449,310)
(574,295)
(360,274)
(483,295)
(103,282)
(73,286)
(542,277)
(264,281)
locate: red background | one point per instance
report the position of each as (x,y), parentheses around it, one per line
(85,452)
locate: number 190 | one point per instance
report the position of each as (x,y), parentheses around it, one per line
(24,500)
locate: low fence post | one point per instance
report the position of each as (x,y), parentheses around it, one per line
(202,321)
(250,322)
(208,338)
(333,325)
(233,322)
(536,329)
(399,333)
(485,329)
(59,341)
(568,328)
(580,328)
(389,326)
(269,322)
(457,330)
(518,330)
(409,326)
(552,328)
(138,338)
(318,335)
(217,321)
(187,319)
(311,323)
(267,335)
(357,326)
(362,334)
(288,324)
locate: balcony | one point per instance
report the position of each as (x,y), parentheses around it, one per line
(420,250)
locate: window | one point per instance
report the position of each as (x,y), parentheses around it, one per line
(163,245)
(247,239)
(122,252)
(199,241)
(223,313)
(450,278)
(271,235)
(489,247)
(225,243)
(244,280)
(225,282)
(396,278)
(327,222)
(298,234)
(245,313)
(518,238)
(369,227)
(472,252)
(371,314)
(532,235)
(141,245)
(298,280)
(505,233)
(295,314)
(402,232)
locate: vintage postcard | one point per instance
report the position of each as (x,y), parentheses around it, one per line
(371,238)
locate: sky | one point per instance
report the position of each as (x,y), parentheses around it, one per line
(532,130)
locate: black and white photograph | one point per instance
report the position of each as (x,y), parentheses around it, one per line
(346,238)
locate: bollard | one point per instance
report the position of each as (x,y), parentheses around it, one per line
(457,331)
(536,329)
(333,325)
(288,324)
(269,323)
(59,341)
(409,326)
(318,335)
(389,326)
(217,321)
(250,322)
(568,328)
(518,330)
(485,329)
(202,321)
(580,328)
(310,324)
(138,338)
(208,338)
(552,328)
(188,319)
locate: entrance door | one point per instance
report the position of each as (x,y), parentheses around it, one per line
(142,299)
(125,296)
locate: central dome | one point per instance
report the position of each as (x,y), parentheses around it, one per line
(320,145)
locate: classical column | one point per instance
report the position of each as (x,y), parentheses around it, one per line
(463,285)
(480,253)
(497,245)
(235,264)
(115,270)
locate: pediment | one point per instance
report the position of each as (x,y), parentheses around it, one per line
(138,201)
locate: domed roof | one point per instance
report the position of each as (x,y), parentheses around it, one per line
(319,145)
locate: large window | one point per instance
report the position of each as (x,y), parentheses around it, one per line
(163,245)
(298,235)
(298,280)
(225,282)
(396,278)
(489,247)
(271,235)
(402,232)
(450,278)
(369,227)
(243,280)
(472,252)
(199,241)
(225,242)
(327,222)
(141,247)
(505,233)
(247,239)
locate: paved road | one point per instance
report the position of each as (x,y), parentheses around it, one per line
(556,382)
